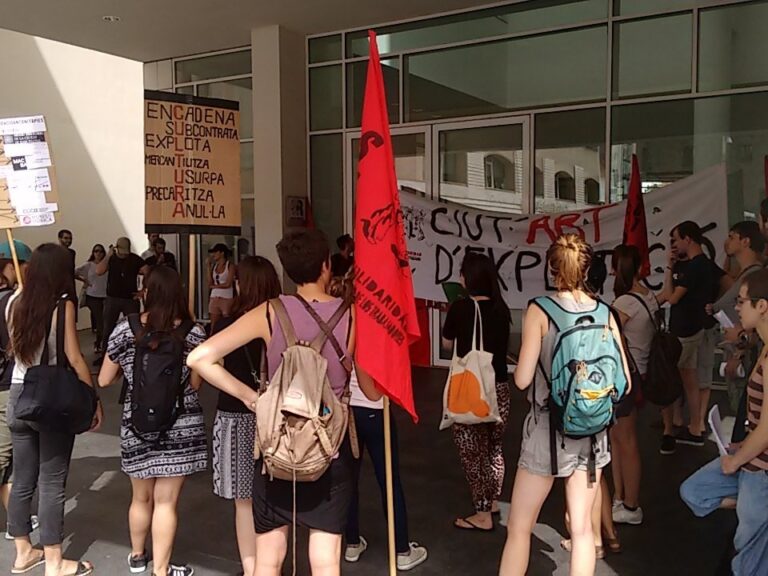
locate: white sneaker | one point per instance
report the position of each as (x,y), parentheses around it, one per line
(617,504)
(623,516)
(416,556)
(35,525)
(353,553)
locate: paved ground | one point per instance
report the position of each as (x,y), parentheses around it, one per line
(671,540)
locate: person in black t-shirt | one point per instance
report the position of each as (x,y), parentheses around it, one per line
(160,257)
(124,269)
(688,287)
(342,261)
(480,445)
(235,425)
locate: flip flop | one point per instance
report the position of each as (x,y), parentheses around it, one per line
(472,526)
(32,564)
(83,569)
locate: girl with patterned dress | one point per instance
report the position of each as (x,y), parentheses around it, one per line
(158,466)
(234,429)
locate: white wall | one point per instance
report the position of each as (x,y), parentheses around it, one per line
(92,103)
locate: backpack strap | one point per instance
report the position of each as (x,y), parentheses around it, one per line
(647,309)
(134,323)
(5,337)
(61,327)
(326,330)
(285,322)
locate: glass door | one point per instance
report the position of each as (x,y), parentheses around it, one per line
(485,165)
(411,149)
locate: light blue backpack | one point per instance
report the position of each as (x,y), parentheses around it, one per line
(587,375)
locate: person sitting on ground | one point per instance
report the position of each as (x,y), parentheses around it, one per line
(579,460)
(157,463)
(740,478)
(480,446)
(369,423)
(342,261)
(321,506)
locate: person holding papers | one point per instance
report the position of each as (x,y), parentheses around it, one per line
(740,477)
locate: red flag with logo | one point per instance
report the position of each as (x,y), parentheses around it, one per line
(385,308)
(635,228)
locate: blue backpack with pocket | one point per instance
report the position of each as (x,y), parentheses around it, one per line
(587,375)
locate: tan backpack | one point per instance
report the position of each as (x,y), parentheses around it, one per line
(300,422)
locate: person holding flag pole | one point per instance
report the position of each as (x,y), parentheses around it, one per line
(384,303)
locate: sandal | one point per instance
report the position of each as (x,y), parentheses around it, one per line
(32,564)
(472,526)
(613,544)
(83,569)
(565,544)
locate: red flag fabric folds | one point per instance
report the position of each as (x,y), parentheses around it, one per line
(635,229)
(384,303)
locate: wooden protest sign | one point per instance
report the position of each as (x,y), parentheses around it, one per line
(192,164)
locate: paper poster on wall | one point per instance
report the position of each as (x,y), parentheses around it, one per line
(28,194)
(192,164)
(440,234)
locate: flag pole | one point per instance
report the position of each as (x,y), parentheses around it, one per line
(390,498)
(192,272)
(19,279)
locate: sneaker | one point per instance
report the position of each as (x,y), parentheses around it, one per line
(417,555)
(668,445)
(176,570)
(622,515)
(35,525)
(138,564)
(617,504)
(689,439)
(353,553)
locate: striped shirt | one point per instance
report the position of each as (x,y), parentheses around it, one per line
(754,409)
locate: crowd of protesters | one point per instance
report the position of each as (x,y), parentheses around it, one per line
(139,310)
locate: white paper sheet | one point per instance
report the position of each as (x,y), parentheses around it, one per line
(723,319)
(717,430)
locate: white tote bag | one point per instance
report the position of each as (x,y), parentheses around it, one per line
(470,392)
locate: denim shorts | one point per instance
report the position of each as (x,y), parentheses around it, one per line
(705,490)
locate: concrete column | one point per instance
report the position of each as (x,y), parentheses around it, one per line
(279,130)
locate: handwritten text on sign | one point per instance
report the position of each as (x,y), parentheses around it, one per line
(192,164)
(439,235)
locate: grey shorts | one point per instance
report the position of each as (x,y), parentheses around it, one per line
(534,452)
(689,359)
(6,449)
(706,363)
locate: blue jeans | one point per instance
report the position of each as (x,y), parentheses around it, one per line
(370,434)
(705,490)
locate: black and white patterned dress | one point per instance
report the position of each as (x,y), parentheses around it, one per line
(183,449)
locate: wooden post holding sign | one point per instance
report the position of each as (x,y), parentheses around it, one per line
(28,192)
(192,168)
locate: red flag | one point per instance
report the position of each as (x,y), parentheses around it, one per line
(635,229)
(384,304)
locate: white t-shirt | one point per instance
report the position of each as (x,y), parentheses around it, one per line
(358,398)
(639,329)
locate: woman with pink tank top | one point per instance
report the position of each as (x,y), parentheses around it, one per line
(322,506)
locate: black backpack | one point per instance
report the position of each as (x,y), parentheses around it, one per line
(663,383)
(157,390)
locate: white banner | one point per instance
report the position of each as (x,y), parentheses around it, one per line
(439,235)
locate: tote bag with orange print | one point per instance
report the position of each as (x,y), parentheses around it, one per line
(470,392)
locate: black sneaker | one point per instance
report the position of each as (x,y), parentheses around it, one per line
(685,437)
(138,564)
(176,570)
(668,445)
